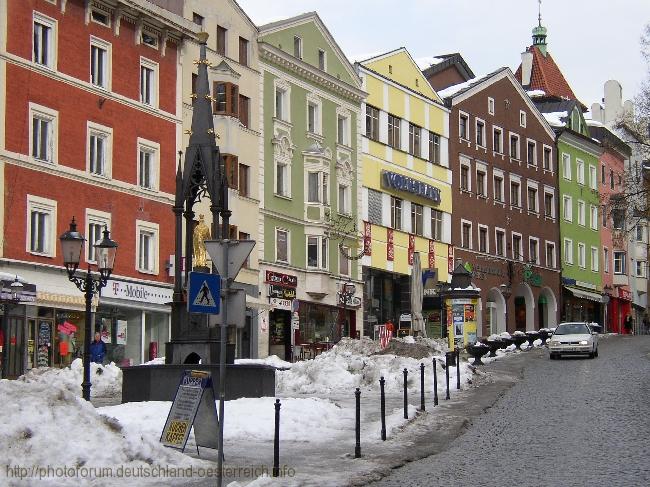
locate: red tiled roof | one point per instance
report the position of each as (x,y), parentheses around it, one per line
(547,76)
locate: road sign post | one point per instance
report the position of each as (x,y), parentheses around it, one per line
(203,294)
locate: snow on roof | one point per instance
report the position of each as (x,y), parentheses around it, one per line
(426,61)
(555,118)
(594,123)
(454,89)
(534,93)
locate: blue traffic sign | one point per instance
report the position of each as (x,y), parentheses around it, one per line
(204,293)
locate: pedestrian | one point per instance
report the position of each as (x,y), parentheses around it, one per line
(390,328)
(97,349)
(628,325)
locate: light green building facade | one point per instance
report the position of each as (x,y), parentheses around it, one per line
(311,145)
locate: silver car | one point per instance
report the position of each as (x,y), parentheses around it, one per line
(576,338)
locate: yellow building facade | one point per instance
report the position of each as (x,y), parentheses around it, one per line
(406,194)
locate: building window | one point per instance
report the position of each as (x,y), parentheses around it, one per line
(230,164)
(550,255)
(481,184)
(514,146)
(313,187)
(515,192)
(566,166)
(482,239)
(464,178)
(549,211)
(480,133)
(466,235)
(322,60)
(147,251)
(611,179)
(344,263)
(593,180)
(568,251)
(148,82)
(602,174)
(317,252)
(531,153)
(150,40)
(43,134)
(603,212)
(100,17)
(372,122)
(517,252)
(497,140)
(148,165)
(99,63)
(243,51)
(197,19)
(344,199)
(568,208)
(605,259)
(522,118)
(593,222)
(639,233)
(96,222)
(244,110)
(227,100)
(618,218)
(41,226)
(436,224)
(395,213)
(581,255)
(393,131)
(99,150)
(297,47)
(44,43)
(491,106)
(533,250)
(580,171)
(434,148)
(375,207)
(581,213)
(281,102)
(619,262)
(343,130)
(414,140)
(594,259)
(547,159)
(221,40)
(641,268)
(532,200)
(245,236)
(498,188)
(281,245)
(500,241)
(417,222)
(463,131)
(244,180)
(281,178)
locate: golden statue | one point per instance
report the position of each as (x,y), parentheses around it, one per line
(201,234)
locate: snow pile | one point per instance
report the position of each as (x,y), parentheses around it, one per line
(106,380)
(272,360)
(361,363)
(43,424)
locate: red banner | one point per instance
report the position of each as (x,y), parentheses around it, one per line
(390,249)
(624,294)
(367,238)
(432,254)
(411,248)
(450,259)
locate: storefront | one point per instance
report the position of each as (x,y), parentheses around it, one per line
(581,304)
(618,308)
(386,297)
(14,340)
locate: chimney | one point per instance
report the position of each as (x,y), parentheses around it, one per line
(526,67)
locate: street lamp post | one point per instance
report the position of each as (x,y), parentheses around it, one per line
(72,245)
(345,295)
(16,288)
(506,292)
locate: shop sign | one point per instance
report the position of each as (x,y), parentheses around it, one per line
(480,271)
(390,249)
(411,248)
(367,238)
(429,281)
(276,291)
(350,301)
(393,180)
(450,259)
(66,328)
(278,303)
(624,294)
(586,285)
(137,292)
(531,277)
(121,332)
(279,279)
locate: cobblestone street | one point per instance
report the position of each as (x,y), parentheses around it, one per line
(568,422)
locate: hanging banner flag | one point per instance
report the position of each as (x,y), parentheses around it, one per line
(432,254)
(367,238)
(390,250)
(450,259)
(411,248)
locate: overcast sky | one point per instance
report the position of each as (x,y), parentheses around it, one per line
(591,40)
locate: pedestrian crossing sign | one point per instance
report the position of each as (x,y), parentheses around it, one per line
(204,293)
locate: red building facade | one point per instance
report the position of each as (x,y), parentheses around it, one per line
(92,125)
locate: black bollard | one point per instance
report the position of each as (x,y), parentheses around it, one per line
(435,382)
(447,373)
(458,369)
(276,441)
(357,424)
(383,408)
(406,405)
(422,405)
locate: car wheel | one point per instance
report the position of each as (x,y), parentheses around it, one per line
(596,352)
(553,356)
(592,354)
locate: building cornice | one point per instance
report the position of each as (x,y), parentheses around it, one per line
(304,70)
